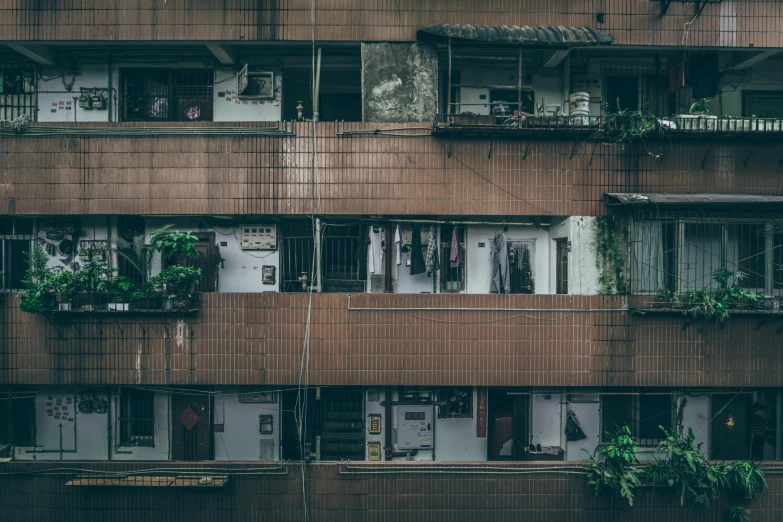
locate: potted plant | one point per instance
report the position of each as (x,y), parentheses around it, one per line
(92,277)
(64,285)
(698,118)
(667,299)
(38,296)
(173,244)
(176,284)
(700,108)
(120,290)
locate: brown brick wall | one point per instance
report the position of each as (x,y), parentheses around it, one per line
(361,175)
(632,22)
(258,339)
(335,497)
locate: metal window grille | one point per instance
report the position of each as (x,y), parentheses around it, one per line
(296,255)
(344,257)
(16,236)
(137,418)
(17,418)
(342,425)
(683,252)
(164,95)
(18,94)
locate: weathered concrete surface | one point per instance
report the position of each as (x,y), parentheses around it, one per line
(399,82)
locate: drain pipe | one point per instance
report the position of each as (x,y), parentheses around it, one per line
(318,232)
(387,428)
(317,86)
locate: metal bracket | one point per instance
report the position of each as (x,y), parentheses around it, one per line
(591,154)
(745,161)
(143,330)
(573,148)
(489,156)
(122,332)
(704,159)
(665,6)
(58,330)
(451,142)
(165,327)
(527,149)
(97,324)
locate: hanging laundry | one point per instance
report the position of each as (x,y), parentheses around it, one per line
(454,257)
(501,283)
(398,244)
(431,260)
(376,257)
(418,266)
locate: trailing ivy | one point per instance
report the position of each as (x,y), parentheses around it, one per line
(610,241)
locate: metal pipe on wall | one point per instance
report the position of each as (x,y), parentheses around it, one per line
(317,86)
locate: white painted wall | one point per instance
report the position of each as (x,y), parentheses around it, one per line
(455,439)
(86,436)
(545,419)
(590,421)
(582,260)
(479,258)
(56,104)
(241,438)
(230,108)
(696,414)
(241,269)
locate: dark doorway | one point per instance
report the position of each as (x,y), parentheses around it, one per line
(334,415)
(622,92)
(207,260)
(521,426)
(729,427)
(500,427)
(191,431)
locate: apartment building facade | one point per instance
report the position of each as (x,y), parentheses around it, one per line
(444,250)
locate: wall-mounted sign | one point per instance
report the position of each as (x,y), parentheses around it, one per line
(374,451)
(374,424)
(481,412)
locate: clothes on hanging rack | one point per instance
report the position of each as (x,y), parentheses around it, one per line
(454,254)
(431,260)
(376,259)
(418,266)
(501,283)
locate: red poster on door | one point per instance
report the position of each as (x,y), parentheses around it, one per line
(481,412)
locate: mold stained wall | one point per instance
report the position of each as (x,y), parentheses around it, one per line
(53,98)
(399,82)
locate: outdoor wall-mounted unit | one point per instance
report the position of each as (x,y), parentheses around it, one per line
(414,428)
(255,85)
(259,237)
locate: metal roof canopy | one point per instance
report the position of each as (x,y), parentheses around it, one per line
(636,200)
(525,35)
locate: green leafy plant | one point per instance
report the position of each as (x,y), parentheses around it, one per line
(176,281)
(38,297)
(611,467)
(138,254)
(701,106)
(739,513)
(668,298)
(684,470)
(744,479)
(717,305)
(120,289)
(174,244)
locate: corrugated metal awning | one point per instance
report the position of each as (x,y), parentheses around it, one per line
(690,200)
(514,35)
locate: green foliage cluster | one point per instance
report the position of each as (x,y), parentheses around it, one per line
(683,470)
(173,244)
(711,304)
(612,469)
(176,281)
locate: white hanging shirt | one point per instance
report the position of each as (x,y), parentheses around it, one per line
(376,264)
(398,244)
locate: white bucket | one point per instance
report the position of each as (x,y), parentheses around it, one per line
(579,104)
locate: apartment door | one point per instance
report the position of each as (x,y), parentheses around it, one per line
(207,260)
(561,268)
(191,432)
(729,427)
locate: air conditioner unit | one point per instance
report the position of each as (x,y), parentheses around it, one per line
(255,85)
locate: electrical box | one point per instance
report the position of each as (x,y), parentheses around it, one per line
(414,428)
(260,84)
(259,237)
(592,85)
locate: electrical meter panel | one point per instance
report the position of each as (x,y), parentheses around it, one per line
(414,428)
(259,237)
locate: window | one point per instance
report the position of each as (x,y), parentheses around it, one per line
(452,259)
(17,93)
(161,95)
(682,255)
(762,104)
(15,240)
(137,418)
(455,402)
(17,419)
(643,414)
(561,270)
